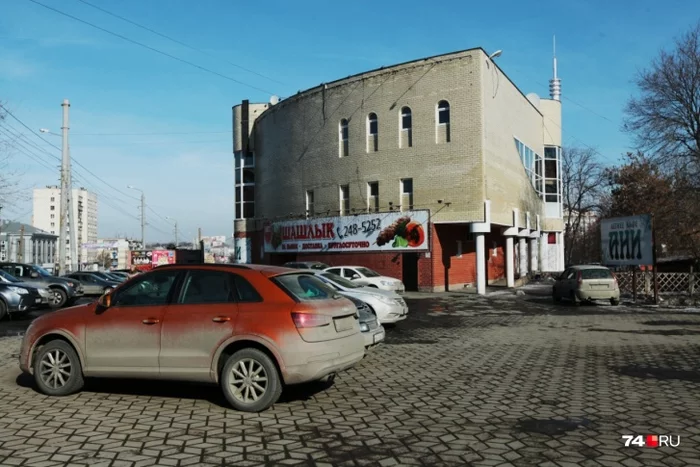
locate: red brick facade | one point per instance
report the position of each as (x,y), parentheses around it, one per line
(441,269)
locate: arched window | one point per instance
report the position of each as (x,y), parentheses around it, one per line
(442,122)
(372,132)
(343,136)
(443,113)
(406,128)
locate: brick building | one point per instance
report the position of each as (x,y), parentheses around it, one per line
(450,136)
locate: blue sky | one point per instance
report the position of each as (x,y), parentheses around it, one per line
(119,91)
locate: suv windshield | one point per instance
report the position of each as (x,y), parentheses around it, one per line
(6,277)
(368,272)
(306,287)
(341,281)
(41,271)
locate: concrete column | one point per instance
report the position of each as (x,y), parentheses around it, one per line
(480,264)
(560,249)
(510,271)
(534,254)
(541,246)
(522,247)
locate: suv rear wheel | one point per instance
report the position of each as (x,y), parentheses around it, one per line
(250,381)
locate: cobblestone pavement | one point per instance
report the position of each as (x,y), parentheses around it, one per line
(464,381)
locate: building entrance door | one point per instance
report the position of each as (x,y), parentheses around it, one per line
(409,265)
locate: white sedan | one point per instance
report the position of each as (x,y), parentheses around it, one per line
(366,276)
(389,306)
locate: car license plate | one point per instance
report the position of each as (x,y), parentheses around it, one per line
(343,324)
(38,300)
(378,337)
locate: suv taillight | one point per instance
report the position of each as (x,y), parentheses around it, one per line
(309,320)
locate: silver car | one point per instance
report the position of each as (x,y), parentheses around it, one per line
(586,284)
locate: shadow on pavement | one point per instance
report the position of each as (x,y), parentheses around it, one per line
(659,373)
(178,389)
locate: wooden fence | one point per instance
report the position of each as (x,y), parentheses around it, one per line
(669,282)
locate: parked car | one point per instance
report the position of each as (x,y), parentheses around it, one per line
(249,328)
(92,283)
(65,291)
(587,283)
(119,274)
(18,297)
(306,265)
(108,276)
(366,276)
(370,327)
(389,306)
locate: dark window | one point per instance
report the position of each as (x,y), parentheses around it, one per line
(373,124)
(245,292)
(238,175)
(152,288)
(552,238)
(335,271)
(248,193)
(248,176)
(238,210)
(374,189)
(202,286)
(407,186)
(406,120)
(344,132)
(550,168)
(550,153)
(53,208)
(349,273)
(248,210)
(443,112)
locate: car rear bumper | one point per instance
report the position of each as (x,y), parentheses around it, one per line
(313,361)
(586,295)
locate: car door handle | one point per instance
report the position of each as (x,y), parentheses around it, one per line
(221,319)
(150,321)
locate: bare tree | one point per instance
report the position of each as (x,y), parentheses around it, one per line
(582,177)
(104,259)
(665,116)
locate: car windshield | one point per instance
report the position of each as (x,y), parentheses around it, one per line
(41,271)
(306,287)
(341,281)
(368,272)
(7,277)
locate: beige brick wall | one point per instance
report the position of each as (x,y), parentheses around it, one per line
(508,114)
(297,142)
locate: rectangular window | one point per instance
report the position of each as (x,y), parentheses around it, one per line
(344,199)
(459,249)
(407,186)
(53,208)
(373,196)
(550,168)
(552,238)
(310,203)
(406,194)
(53,199)
(550,153)
(248,193)
(248,210)
(202,286)
(53,216)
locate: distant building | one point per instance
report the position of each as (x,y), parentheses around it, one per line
(47,206)
(117,250)
(588,219)
(23,243)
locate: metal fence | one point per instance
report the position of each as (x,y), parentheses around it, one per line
(669,282)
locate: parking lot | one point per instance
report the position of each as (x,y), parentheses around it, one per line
(465,380)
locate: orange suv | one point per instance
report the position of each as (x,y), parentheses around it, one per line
(251,329)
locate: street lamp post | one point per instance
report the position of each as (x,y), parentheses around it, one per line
(174,220)
(143,215)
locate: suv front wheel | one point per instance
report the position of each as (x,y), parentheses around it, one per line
(250,381)
(59,298)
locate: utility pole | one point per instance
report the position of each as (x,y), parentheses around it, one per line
(176,235)
(65,187)
(20,253)
(73,232)
(143,220)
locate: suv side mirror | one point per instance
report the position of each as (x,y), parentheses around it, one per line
(355,276)
(34,275)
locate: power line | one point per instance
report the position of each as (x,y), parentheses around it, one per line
(153,49)
(156,133)
(177,41)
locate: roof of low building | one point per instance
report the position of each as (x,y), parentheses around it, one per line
(14,228)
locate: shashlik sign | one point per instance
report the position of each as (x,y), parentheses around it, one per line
(398,232)
(627,241)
